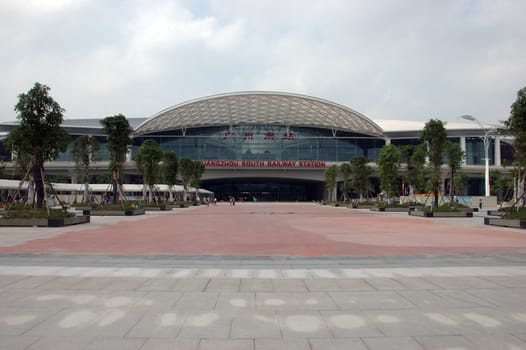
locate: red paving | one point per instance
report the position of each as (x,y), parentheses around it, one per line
(279,229)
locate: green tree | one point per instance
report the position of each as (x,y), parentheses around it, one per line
(186,170)
(434,137)
(346,171)
(455,156)
(84,148)
(169,169)
(388,164)
(361,174)
(330,180)
(197,174)
(39,136)
(118,131)
(414,158)
(148,161)
(516,125)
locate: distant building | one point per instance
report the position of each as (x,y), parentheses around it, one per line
(268,145)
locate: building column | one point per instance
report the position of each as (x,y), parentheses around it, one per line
(463,148)
(497,160)
(387,141)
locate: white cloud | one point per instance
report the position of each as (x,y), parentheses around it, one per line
(389,60)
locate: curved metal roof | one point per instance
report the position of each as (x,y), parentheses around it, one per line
(259,108)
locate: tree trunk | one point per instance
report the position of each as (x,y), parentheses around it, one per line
(150,191)
(170,194)
(115,183)
(39,185)
(85,198)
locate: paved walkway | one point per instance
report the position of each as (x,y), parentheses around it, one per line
(452,284)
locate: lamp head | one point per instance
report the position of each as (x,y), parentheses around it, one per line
(468,117)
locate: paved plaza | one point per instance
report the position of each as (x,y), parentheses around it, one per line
(264,276)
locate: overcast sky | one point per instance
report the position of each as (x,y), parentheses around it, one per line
(388,59)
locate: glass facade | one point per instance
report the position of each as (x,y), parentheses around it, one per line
(258,142)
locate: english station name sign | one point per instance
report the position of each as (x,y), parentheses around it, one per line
(263,164)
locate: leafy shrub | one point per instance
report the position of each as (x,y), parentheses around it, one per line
(22,212)
(516,213)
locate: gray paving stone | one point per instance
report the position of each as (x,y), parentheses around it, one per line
(521,336)
(125,283)
(31,282)
(337,344)
(461,282)
(392,343)
(112,343)
(437,299)
(294,301)
(256,285)
(353,284)
(323,285)
(60,343)
(287,344)
(507,281)
(447,342)
(416,283)
(158,285)
(236,303)
(373,300)
(303,325)
(17,321)
(223,285)
(235,344)
(406,323)
(158,300)
(496,342)
(88,322)
(16,343)
(89,283)
(345,324)
(509,297)
(196,301)
(190,285)
(170,344)
(257,325)
(206,325)
(382,283)
(289,285)
(158,325)
(6,280)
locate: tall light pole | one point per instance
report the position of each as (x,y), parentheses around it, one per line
(487,142)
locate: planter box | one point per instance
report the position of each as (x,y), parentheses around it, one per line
(496,213)
(425,214)
(127,212)
(49,222)
(377,209)
(160,208)
(75,220)
(441,214)
(516,223)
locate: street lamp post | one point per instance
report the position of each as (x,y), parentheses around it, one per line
(486,140)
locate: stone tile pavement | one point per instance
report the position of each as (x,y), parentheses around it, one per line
(107,302)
